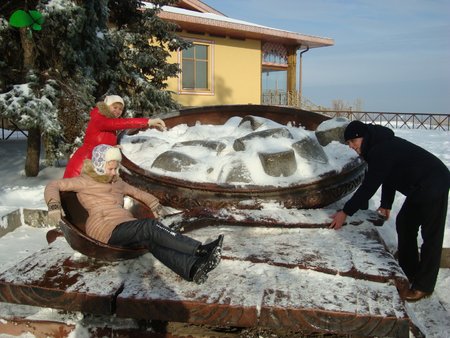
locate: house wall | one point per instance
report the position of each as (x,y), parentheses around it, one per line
(236,73)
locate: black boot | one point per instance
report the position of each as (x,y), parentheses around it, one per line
(209,258)
(205,249)
(216,246)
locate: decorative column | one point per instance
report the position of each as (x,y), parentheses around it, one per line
(292,76)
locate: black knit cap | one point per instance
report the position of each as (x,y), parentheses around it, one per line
(355,129)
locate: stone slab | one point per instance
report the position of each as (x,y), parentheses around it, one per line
(306,280)
(60,278)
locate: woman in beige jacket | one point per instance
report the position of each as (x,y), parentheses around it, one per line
(101,192)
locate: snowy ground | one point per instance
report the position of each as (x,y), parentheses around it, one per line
(17,191)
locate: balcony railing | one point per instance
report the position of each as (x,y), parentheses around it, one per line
(283,98)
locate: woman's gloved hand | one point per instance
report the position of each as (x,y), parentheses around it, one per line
(157,123)
(55,213)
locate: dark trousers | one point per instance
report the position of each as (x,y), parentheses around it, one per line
(171,248)
(430,215)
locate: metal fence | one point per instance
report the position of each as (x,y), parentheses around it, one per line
(432,121)
(9,128)
(396,120)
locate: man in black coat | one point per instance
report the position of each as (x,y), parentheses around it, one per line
(399,165)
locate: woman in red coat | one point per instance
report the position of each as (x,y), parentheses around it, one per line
(102,129)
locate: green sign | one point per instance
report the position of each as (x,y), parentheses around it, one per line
(32,19)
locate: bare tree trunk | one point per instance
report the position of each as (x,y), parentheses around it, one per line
(28,49)
(34,134)
(33,152)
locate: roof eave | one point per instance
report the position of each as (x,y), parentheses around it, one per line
(238,30)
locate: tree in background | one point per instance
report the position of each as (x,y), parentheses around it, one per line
(340,105)
(50,78)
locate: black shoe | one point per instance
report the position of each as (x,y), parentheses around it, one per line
(205,249)
(216,246)
(208,261)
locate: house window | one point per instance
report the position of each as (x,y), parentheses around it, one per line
(274,79)
(196,68)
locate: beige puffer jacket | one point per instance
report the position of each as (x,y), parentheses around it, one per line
(102,200)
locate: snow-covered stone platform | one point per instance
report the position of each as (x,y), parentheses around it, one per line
(309,280)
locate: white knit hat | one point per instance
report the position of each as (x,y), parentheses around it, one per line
(102,154)
(110,99)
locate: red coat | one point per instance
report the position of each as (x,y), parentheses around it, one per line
(100,130)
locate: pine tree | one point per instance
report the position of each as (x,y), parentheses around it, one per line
(143,70)
(50,79)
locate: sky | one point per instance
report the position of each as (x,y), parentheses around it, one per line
(432,315)
(394,56)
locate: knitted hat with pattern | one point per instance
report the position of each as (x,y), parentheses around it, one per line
(102,154)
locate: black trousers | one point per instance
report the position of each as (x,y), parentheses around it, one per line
(430,215)
(174,250)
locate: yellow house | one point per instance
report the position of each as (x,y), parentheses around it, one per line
(233,61)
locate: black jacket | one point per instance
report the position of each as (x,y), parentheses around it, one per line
(397,165)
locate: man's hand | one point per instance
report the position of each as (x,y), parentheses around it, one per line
(385,213)
(338,220)
(157,123)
